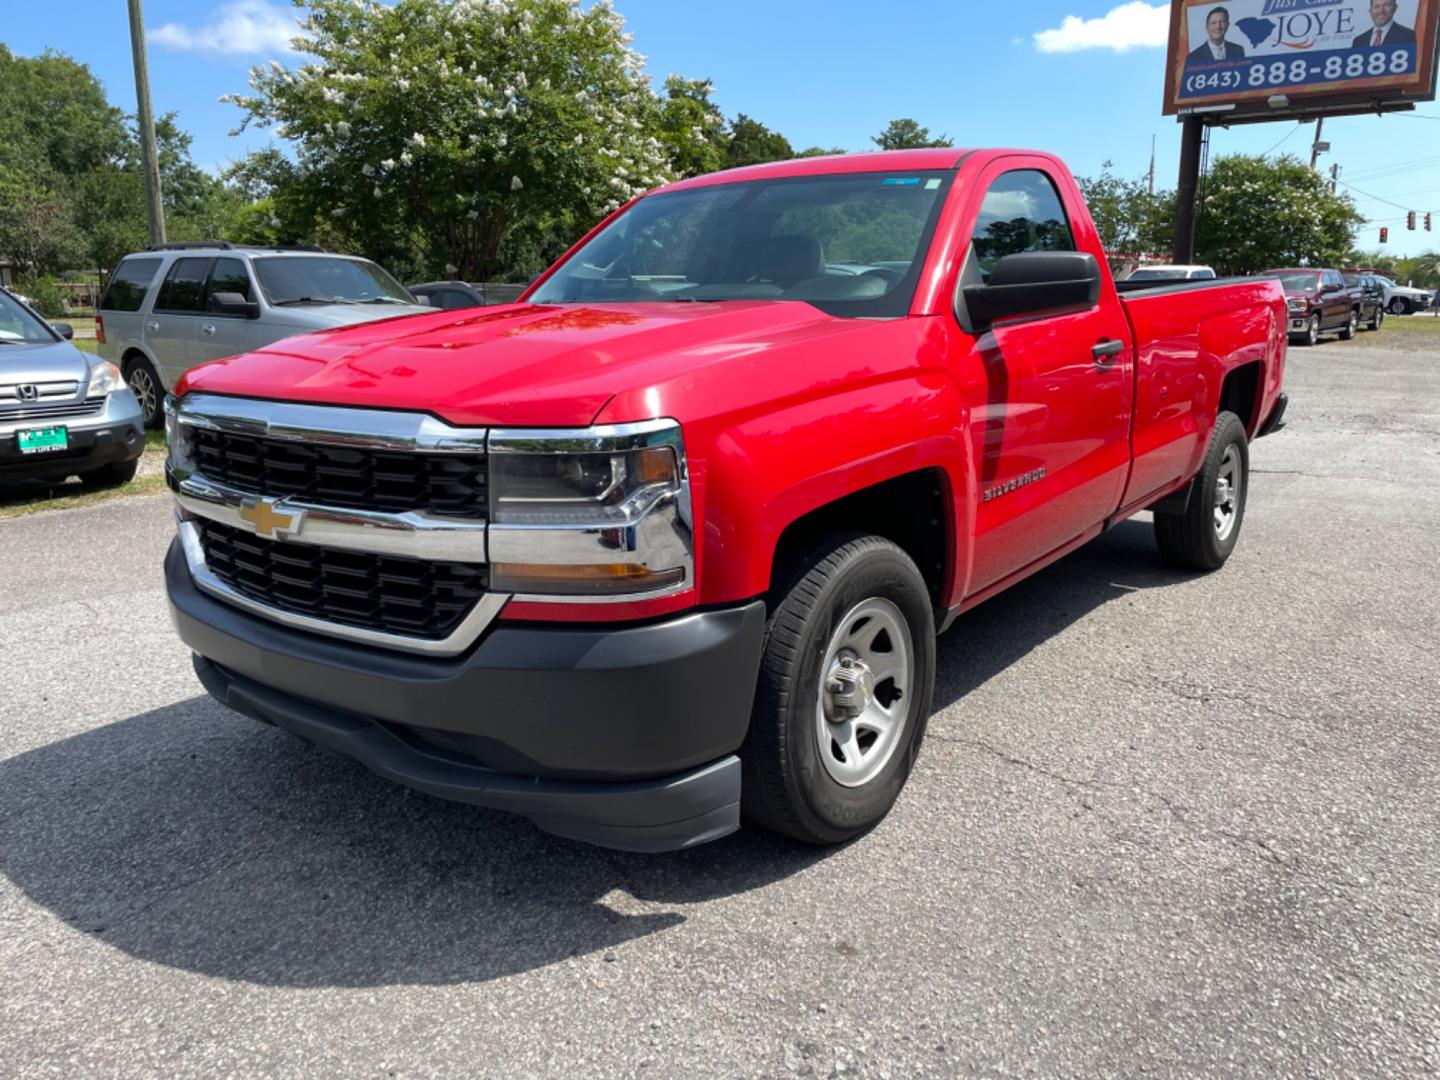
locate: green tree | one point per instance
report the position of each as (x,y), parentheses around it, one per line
(1259,212)
(427,130)
(752,143)
(1128,218)
(820,151)
(692,127)
(907,134)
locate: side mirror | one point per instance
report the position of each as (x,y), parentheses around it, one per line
(232,303)
(64,329)
(1035,282)
(1329,288)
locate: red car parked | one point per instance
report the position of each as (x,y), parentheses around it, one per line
(671,538)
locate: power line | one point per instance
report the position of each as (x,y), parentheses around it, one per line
(1377,198)
(1282,139)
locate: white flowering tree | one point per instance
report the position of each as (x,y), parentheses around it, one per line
(428,129)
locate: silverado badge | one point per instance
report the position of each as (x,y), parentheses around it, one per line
(1010,485)
(268,521)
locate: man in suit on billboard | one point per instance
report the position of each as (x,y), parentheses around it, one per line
(1386,30)
(1217,25)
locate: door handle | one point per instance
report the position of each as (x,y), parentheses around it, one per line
(207,328)
(152,325)
(1103,350)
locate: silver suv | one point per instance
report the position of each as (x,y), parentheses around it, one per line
(177,305)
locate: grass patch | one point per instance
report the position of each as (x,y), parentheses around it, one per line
(70,495)
(1413,333)
(85,345)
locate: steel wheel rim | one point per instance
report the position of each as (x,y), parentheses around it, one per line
(1354,323)
(866,680)
(1314,333)
(143,387)
(1227,493)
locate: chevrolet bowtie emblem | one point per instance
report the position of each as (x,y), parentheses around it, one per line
(261,513)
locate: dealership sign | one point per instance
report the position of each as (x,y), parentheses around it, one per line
(1236,51)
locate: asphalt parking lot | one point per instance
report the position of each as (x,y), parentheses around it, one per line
(1162,824)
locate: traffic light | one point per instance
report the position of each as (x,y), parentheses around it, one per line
(1410,220)
(1427,220)
(1384,235)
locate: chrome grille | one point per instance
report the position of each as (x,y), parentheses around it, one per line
(385,593)
(353,478)
(63,410)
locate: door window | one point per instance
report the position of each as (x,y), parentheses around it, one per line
(1022,211)
(184,287)
(229,276)
(129,284)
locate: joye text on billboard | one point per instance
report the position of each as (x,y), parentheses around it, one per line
(1256,47)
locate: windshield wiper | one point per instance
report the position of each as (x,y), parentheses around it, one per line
(313,300)
(380,300)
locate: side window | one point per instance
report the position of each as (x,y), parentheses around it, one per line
(184,286)
(229,276)
(1021,212)
(129,284)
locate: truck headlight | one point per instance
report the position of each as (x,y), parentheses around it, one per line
(602,513)
(104,377)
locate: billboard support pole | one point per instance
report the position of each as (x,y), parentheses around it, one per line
(1187,189)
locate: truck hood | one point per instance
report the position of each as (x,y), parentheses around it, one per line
(39,362)
(521,364)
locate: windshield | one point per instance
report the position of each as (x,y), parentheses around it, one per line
(17,324)
(850,244)
(1305,283)
(320,280)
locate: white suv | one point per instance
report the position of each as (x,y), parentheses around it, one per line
(1401,299)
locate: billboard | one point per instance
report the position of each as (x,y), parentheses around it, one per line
(1246,52)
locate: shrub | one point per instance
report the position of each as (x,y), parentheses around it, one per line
(45,294)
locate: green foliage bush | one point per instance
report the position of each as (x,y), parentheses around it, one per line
(45,293)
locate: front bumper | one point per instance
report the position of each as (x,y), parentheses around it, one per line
(114,435)
(621,737)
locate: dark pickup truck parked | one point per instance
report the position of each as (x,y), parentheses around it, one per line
(1372,296)
(1319,302)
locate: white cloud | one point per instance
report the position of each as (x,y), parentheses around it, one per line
(1136,25)
(242,27)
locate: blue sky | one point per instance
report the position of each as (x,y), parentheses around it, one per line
(1081,78)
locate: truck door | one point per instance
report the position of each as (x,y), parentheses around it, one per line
(1049,397)
(173,323)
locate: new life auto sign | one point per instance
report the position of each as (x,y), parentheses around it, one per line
(1238,51)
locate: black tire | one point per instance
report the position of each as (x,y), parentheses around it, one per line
(1347,332)
(1378,318)
(786,786)
(1312,331)
(1191,539)
(1399,306)
(145,384)
(116,474)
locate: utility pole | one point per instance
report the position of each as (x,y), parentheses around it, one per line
(1334,176)
(149,160)
(1152,166)
(1187,189)
(1317,146)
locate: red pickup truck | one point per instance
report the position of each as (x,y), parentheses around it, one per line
(669,540)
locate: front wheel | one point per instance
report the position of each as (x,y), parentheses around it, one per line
(1377,318)
(1202,536)
(145,384)
(1399,306)
(846,682)
(1347,332)
(1312,330)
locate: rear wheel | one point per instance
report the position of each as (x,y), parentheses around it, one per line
(845,687)
(1203,535)
(1347,332)
(145,384)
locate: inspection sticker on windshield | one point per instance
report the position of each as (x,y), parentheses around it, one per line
(43,440)
(901,181)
